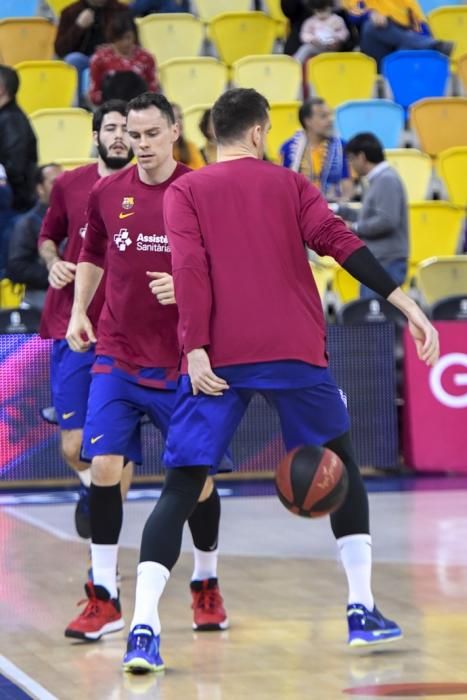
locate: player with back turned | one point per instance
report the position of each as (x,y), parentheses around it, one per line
(251,321)
(137,357)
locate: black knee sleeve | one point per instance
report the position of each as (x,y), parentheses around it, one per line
(352,518)
(106,507)
(162,534)
(204,522)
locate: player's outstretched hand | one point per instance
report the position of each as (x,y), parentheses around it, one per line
(80,334)
(61,273)
(423,332)
(162,286)
(202,377)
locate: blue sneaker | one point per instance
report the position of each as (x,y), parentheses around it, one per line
(83,513)
(367,627)
(142,651)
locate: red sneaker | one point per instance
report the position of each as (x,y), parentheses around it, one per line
(101,615)
(208,606)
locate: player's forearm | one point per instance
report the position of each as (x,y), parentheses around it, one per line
(87,280)
(363,265)
(401,301)
(49,253)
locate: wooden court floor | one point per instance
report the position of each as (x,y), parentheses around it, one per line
(287,635)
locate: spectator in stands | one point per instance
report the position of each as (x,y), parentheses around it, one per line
(122,53)
(7,215)
(323,31)
(391,25)
(18,150)
(297,11)
(124,85)
(209,150)
(141,8)
(24,264)
(185,151)
(316,153)
(382,221)
(81,29)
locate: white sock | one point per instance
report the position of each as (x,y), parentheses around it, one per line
(104,566)
(355,552)
(205,564)
(85,477)
(150,583)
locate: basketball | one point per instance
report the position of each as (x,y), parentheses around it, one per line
(311,481)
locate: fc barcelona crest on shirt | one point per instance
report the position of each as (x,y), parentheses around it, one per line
(128,203)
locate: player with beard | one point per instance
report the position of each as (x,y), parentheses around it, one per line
(60,240)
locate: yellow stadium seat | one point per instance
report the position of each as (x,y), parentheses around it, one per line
(452,167)
(462,70)
(207,9)
(440,123)
(46,85)
(191,119)
(450,24)
(277,77)
(274,10)
(11,294)
(346,287)
(434,230)
(30,39)
(72,163)
(441,277)
(171,35)
(284,123)
(341,76)
(239,34)
(191,81)
(62,133)
(57,6)
(415,169)
(323,269)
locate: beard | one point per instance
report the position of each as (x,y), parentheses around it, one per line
(113,162)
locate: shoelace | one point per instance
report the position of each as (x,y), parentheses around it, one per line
(208,598)
(92,607)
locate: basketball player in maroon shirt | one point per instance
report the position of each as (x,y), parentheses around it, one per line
(251,321)
(60,241)
(137,356)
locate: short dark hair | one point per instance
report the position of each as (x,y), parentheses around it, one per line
(119,24)
(368,144)
(119,106)
(39,176)
(10,79)
(152,99)
(204,123)
(317,5)
(123,85)
(236,111)
(306,109)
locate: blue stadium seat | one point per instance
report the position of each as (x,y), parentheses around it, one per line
(429,5)
(18,8)
(413,75)
(383,118)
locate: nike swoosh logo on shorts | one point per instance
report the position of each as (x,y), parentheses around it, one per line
(65,416)
(125,216)
(98,437)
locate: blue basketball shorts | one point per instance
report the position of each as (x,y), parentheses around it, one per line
(311,410)
(115,408)
(70,377)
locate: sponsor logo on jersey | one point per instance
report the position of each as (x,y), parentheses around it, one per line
(95,439)
(122,239)
(125,216)
(154,243)
(83,231)
(65,416)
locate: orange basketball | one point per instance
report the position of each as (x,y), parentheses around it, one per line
(311,481)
